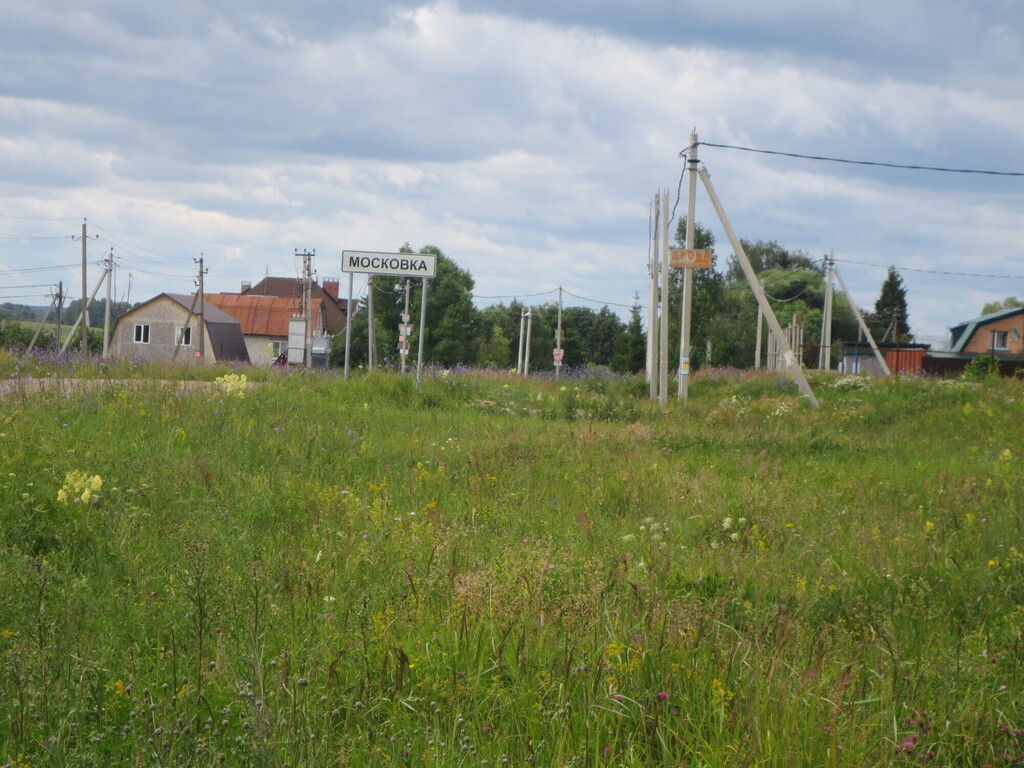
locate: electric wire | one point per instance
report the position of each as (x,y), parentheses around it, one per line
(931,271)
(846,161)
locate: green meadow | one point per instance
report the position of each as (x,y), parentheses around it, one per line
(295,570)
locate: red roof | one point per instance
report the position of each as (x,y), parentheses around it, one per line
(264,315)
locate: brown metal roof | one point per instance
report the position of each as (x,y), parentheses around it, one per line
(264,315)
(335,314)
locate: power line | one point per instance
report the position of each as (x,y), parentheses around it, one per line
(33,218)
(517,295)
(931,271)
(875,163)
(596,301)
(12,236)
(37,269)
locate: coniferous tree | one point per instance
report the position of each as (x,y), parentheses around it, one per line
(889,320)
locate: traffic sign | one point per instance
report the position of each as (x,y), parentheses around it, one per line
(403,264)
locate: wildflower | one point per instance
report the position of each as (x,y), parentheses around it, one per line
(233,383)
(727,524)
(662,696)
(80,487)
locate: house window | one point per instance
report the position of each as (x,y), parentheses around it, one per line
(279,347)
(1000,339)
(183,336)
(142,333)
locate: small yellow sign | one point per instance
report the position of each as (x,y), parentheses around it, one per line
(690,258)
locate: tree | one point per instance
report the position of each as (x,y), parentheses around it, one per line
(767,255)
(889,320)
(630,347)
(1010,302)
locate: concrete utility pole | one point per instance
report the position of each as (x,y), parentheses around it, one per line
(202,321)
(85,303)
(558,337)
(863,326)
(526,352)
(825,354)
(307,306)
(653,323)
(522,334)
(83,314)
(60,307)
(683,390)
(663,334)
(791,361)
(109,263)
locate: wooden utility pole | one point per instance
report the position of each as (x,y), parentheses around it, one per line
(791,360)
(683,388)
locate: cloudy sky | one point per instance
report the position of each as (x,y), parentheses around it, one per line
(524,139)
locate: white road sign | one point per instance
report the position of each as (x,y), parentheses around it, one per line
(403,264)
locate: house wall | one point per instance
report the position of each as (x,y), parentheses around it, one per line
(259,348)
(164,317)
(981,341)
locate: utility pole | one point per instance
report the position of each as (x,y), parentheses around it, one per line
(202,321)
(653,323)
(760,326)
(825,355)
(307,306)
(863,326)
(663,334)
(526,352)
(85,303)
(791,361)
(522,332)
(683,390)
(59,298)
(558,337)
(109,264)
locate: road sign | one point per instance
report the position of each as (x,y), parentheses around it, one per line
(689,258)
(558,355)
(403,264)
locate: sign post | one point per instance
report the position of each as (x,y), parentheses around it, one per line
(406,265)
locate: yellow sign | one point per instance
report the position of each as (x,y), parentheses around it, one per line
(690,259)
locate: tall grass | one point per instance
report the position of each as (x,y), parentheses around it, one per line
(486,571)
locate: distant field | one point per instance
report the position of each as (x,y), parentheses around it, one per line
(483,571)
